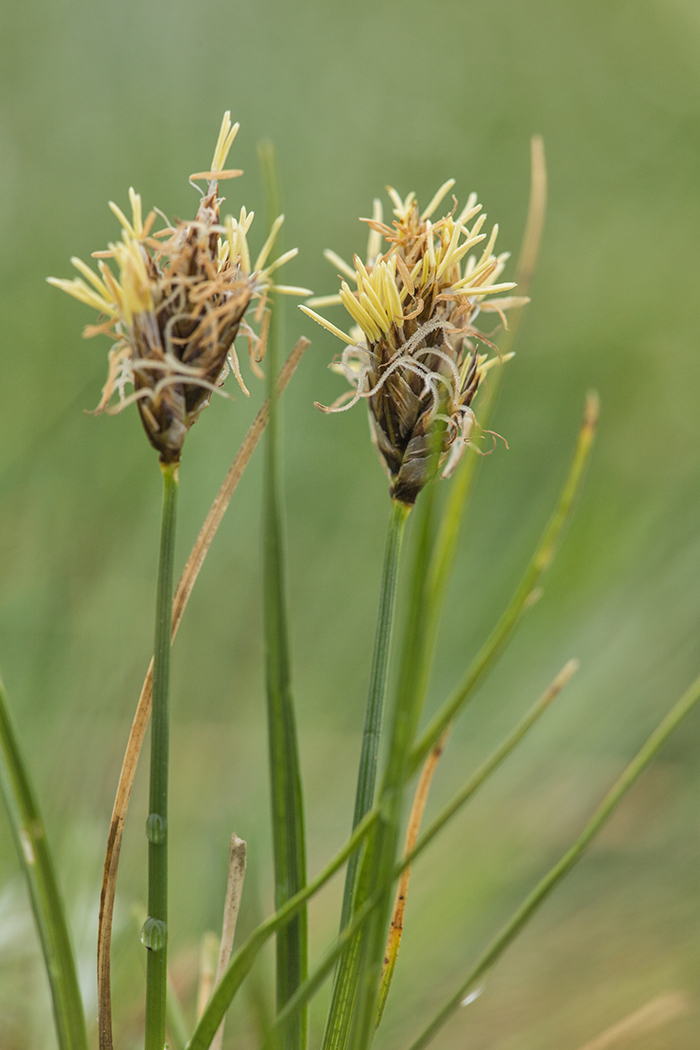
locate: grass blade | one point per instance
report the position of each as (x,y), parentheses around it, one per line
(391,952)
(659,1011)
(155,928)
(285,776)
(523,597)
(494,760)
(37,866)
(143,709)
(554,876)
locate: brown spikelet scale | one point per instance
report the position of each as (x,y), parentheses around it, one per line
(413,355)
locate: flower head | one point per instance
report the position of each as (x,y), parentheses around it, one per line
(175,305)
(412,354)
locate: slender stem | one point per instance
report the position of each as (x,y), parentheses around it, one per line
(155,929)
(143,709)
(367,773)
(554,876)
(380,856)
(345,982)
(285,775)
(37,865)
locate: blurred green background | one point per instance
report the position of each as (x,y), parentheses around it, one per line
(96,97)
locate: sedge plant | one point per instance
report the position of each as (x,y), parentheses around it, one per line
(173,303)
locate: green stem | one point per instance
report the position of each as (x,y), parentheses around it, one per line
(155,929)
(380,856)
(367,773)
(37,865)
(554,876)
(344,985)
(285,776)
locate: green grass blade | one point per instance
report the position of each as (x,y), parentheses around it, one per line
(37,866)
(285,776)
(524,595)
(554,876)
(460,489)
(344,985)
(155,928)
(243,959)
(494,760)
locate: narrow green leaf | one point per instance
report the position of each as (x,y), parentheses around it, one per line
(285,776)
(37,866)
(523,597)
(554,876)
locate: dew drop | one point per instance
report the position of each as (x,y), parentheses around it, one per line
(156,829)
(472,996)
(154,934)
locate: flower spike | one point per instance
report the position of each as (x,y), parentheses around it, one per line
(412,354)
(175,306)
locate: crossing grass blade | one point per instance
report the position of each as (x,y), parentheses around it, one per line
(524,596)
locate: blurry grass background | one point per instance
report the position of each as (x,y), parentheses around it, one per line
(96,97)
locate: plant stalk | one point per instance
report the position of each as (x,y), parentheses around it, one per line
(155,929)
(344,985)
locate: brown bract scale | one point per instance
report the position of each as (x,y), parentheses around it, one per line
(415,357)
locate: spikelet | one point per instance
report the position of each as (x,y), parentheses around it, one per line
(176,305)
(412,354)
